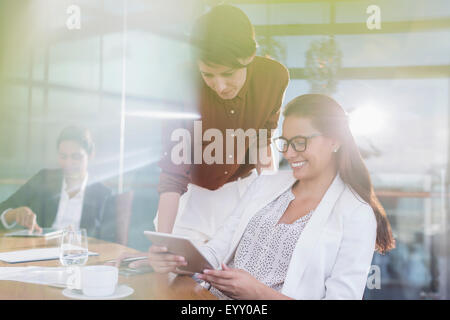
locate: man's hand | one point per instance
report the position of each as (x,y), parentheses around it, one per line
(25,217)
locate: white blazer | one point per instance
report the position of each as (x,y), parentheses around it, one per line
(333,254)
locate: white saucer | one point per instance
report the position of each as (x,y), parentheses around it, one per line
(122,291)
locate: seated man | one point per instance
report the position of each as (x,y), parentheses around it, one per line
(63,197)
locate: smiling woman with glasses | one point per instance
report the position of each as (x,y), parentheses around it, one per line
(305,233)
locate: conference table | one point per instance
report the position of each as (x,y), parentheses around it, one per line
(148,286)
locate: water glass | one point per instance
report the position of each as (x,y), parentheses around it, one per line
(74,248)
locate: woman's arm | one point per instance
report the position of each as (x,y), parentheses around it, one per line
(167,211)
(218,247)
(265,159)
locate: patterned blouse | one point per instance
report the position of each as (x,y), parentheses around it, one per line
(266,247)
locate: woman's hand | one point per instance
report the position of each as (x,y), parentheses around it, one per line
(158,259)
(164,262)
(25,217)
(235,283)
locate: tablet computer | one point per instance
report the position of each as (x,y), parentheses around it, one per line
(181,246)
(46,233)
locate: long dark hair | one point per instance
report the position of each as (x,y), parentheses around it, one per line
(330,119)
(222,36)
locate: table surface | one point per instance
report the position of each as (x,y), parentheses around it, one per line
(149,286)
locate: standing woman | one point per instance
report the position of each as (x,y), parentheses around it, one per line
(305,233)
(235,90)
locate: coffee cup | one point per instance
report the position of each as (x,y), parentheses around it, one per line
(99,281)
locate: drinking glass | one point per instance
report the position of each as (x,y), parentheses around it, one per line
(74,247)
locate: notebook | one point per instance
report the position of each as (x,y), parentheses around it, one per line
(30,255)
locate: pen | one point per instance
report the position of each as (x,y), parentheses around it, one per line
(132,259)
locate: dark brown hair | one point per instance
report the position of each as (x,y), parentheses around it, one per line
(78,134)
(222,36)
(330,119)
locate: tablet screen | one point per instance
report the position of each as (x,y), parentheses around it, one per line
(181,246)
(46,232)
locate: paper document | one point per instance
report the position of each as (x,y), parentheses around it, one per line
(31,255)
(58,277)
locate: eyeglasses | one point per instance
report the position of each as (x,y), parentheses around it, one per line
(299,143)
